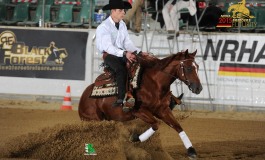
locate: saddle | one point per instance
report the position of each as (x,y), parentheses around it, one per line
(105,84)
(105,78)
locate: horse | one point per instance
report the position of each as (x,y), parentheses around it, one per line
(240,10)
(152,98)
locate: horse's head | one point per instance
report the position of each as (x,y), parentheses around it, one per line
(187,71)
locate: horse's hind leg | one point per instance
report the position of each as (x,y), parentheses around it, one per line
(170,120)
(147,117)
(88,110)
(90,114)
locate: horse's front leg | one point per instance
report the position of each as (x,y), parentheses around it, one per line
(147,117)
(167,116)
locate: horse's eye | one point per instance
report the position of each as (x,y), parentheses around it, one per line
(189,69)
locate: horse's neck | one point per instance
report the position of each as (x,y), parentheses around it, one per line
(169,73)
(162,77)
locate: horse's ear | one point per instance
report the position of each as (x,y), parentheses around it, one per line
(186,53)
(194,53)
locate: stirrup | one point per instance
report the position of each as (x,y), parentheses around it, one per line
(128,105)
(131,101)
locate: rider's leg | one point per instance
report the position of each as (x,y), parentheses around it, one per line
(129,100)
(119,67)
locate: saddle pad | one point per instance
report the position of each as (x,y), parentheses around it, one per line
(135,80)
(112,89)
(105,90)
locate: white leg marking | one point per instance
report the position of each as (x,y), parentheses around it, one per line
(148,133)
(185,139)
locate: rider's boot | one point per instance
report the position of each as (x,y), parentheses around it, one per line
(129,102)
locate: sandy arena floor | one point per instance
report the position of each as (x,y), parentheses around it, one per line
(28,133)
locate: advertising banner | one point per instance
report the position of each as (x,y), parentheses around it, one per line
(43,54)
(235,68)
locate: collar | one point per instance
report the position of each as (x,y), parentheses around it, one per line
(111,21)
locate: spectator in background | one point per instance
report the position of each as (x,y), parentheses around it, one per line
(211,16)
(158,6)
(136,13)
(171,14)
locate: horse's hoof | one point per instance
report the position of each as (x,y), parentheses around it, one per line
(134,138)
(192,153)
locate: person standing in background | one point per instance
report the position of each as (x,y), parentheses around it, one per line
(136,13)
(171,14)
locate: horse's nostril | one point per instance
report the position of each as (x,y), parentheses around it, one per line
(196,88)
(199,89)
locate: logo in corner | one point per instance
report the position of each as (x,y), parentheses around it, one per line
(89,149)
(239,16)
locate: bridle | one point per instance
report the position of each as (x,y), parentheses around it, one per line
(182,72)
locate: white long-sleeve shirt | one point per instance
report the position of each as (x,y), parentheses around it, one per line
(113,41)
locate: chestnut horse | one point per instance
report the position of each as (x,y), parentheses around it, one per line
(152,98)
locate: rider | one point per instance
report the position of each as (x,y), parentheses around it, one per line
(112,40)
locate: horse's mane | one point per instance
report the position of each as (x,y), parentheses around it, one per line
(154,62)
(178,56)
(165,61)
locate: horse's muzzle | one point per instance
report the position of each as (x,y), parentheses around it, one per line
(195,88)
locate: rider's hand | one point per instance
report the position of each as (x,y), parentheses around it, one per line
(131,57)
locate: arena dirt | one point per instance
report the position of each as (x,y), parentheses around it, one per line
(55,134)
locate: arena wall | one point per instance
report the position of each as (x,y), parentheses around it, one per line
(231,65)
